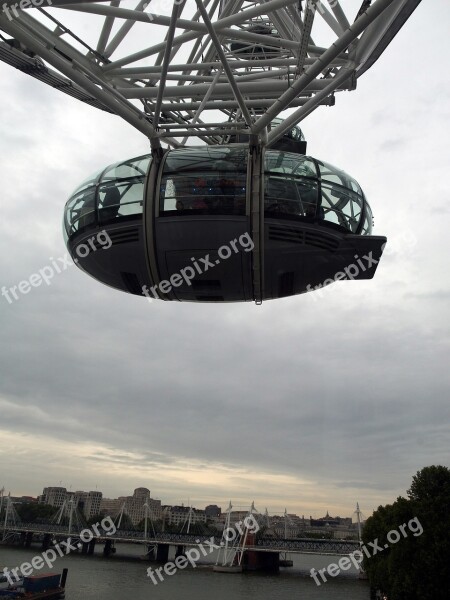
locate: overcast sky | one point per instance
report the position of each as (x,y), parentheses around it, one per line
(312,403)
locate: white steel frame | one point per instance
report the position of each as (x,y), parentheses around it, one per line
(273,69)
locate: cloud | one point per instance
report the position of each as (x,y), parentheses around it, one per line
(312,404)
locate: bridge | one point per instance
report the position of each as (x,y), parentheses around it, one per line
(25,533)
(248,544)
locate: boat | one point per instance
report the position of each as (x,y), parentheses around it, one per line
(227,568)
(286,562)
(47,586)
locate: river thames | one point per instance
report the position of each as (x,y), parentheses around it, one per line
(119,578)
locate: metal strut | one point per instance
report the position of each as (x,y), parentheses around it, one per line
(260,58)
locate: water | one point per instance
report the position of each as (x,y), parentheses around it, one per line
(96,578)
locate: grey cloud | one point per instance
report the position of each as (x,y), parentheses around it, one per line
(348,392)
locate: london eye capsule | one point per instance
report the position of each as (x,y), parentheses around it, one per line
(222,223)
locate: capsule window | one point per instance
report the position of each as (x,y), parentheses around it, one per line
(341,206)
(289,163)
(204,193)
(204,181)
(290,197)
(368,221)
(120,199)
(136,167)
(80,210)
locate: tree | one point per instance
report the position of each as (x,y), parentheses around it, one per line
(429,484)
(35,513)
(415,567)
(126,524)
(152,526)
(95,519)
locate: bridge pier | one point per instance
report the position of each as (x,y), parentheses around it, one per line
(261,561)
(109,548)
(180,551)
(28,539)
(162,553)
(46,541)
(151,552)
(91,547)
(84,548)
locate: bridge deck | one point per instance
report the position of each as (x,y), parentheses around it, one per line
(293,546)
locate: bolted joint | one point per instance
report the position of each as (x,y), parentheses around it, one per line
(157,149)
(254,143)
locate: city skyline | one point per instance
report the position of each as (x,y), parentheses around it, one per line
(200,503)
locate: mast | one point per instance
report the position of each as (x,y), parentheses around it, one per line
(358,516)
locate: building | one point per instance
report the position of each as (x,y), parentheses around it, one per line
(110,507)
(136,507)
(288,526)
(78,499)
(53,496)
(88,503)
(180,515)
(336,527)
(213,512)
(328,521)
(236,516)
(23,500)
(92,504)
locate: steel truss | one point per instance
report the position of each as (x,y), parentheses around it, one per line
(209,70)
(300,545)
